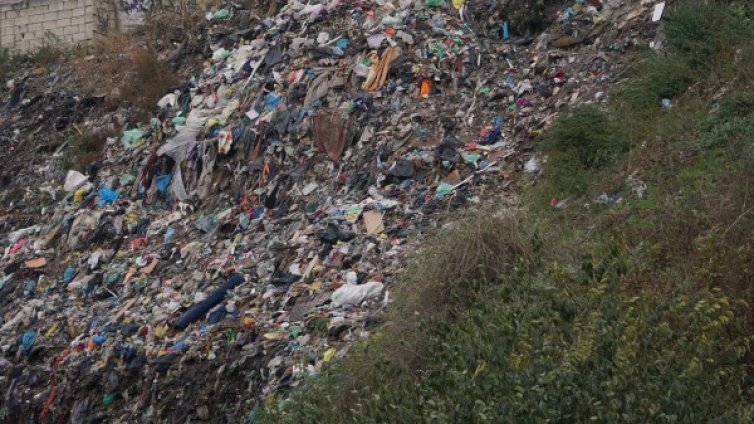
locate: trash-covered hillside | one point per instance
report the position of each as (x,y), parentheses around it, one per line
(241,236)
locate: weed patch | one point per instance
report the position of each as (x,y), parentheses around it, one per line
(700,30)
(654,79)
(83,150)
(548,344)
(576,148)
(587,135)
(126,73)
(50,52)
(7,62)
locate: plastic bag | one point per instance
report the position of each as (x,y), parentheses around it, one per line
(351,294)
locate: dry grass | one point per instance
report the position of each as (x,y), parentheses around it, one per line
(85,149)
(476,254)
(168,27)
(480,248)
(265,7)
(127,73)
(50,52)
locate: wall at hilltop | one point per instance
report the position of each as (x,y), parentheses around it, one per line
(28,24)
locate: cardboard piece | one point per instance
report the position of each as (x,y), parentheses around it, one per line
(36,263)
(373,223)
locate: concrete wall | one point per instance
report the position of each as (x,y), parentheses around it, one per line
(131,13)
(27,24)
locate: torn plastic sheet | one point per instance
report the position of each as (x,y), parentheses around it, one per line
(330,133)
(318,88)
(177,189)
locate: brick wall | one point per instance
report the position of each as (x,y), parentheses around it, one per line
(28,24)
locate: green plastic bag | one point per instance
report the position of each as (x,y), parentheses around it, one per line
(131,138)
(438,49)
(443,190)
(107,399)
(471,158)
(220,14)
(126,180)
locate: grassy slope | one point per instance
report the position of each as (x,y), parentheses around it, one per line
(630,311)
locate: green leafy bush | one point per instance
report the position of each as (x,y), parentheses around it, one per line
(581,143)
(654,79)
(736,105)
(732,121)
(700,29)
(8,61)
(587,134)
(562,345)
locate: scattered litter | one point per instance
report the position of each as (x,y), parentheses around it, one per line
(252,228)
(657,12)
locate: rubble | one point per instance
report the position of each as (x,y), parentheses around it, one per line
(228,249)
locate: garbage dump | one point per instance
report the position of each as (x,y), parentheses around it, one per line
(226,250)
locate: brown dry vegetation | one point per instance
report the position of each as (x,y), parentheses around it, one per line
(85,149)
(127,73)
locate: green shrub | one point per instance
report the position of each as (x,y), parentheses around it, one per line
(654,79)
(577,148)
(8,61)
(51,51)
(4,62)
(563,179)
(736,105)
(561,345)
(586,134)
(578,145)
(700,29)
(732,121)
(727,130)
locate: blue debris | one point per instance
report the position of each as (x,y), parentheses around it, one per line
(163,182)
(107,196)
(28,339)
(68,274)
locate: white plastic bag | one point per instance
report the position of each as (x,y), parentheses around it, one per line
(74,180)
(351,294)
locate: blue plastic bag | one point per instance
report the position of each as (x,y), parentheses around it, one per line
(107,196)
(28,339)
(163,182)
(68,274)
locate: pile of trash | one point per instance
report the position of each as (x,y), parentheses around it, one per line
(228,249)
